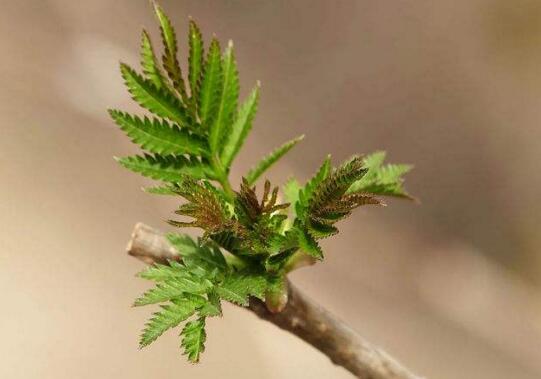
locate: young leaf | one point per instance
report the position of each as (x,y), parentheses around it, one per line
(228,100)
(384,180)
(168,168)
(337,183)
(211,85)
(170,60)
(158,136)
(327,202)
(160,190)
(149,64)
(195,59)
(320,229)
(291,190)
(170,316)
(265,163)
(193,141)
(157,101)
(161,273)
(309,245)
(212,306)
(171,289)
(206,206)
(239,286)
(193,253)
(240,128)
(306,192)
(193,339)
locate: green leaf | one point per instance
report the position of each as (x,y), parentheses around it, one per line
(193,339)
(240,128)
(320,230)
(149,64)
(211,85)
(239,286)
(322,173)
(160,190)
(291,191)
(160,273)
(193,253)
(195,59)
(158,136)
(374,161)
(171,289)
(212,306)
(168,168)
(170,316)
(156,100)
(170,60)
(228,101)
(265,163)
(384,180)
(309,245)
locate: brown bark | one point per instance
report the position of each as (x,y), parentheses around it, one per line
(301,316)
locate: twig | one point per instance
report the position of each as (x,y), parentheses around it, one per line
(301,316)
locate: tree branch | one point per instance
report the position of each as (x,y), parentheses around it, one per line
(301,316)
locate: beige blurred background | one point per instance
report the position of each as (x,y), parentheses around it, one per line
(451,287)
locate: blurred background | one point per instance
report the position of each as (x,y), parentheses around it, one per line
(451,287)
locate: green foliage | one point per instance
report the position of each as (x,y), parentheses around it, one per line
(240,128)
(158,101)
(193,339)
(158,136)
(291,191)
(195,287)
(169,317)
(167,168)
(265,163)
(383,180)
(239,286)
(195,59)
(228,100)
(250,239)
(211,85)
(151,69)
(169,58)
